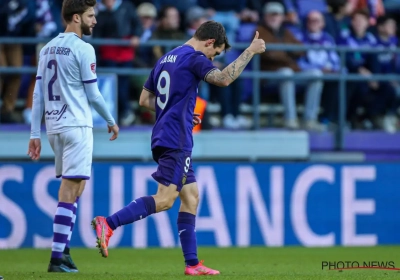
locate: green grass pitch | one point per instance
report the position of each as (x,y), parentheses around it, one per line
(234,263)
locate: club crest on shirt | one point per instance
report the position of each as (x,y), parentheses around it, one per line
(184,179)
(93,67)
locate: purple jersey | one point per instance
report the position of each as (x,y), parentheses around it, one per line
(175,80)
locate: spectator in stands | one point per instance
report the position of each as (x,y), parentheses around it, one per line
(118,19)
(195,17)
(252,11)
(55,9)
(168,29)
(181,5)
(364,64)
(325,60)
(338,18)
(257,7)
(17,19)
(45,25)
(147,13)
(284,62)
(374,7)
(226,12)
(299,9)
(230,98)
(384,101)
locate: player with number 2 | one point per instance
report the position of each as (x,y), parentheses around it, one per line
(171,91)
(66,86)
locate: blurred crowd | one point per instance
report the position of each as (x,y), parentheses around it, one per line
(352,23)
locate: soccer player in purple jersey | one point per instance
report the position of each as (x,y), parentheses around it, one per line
(171,91)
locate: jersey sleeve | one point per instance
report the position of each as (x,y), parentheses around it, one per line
(149,84)
(202,66)
(87,63)
(38,101)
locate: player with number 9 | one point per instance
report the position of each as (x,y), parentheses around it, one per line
(171,91)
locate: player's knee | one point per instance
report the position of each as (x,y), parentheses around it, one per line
(192,200)
(164,202)
(69,190)
(169,202)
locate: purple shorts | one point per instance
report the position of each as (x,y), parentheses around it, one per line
(174,167)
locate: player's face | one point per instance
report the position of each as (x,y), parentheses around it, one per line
(210,51)
(88,21)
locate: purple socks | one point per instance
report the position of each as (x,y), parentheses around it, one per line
(136,210)
(61,229)
(145,206)
(187,235)
(66,251)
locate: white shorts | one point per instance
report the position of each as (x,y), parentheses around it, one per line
(73,150)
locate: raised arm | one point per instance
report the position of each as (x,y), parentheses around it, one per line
(230,73)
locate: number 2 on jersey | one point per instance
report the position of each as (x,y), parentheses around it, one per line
(50,65)
(163,90)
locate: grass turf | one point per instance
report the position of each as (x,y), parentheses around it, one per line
(234,263)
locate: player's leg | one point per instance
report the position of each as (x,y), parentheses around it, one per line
(81,155)
(169,176)
(56,257)
(62,223)
(189,196)
(142,207)
(67,260)
(138,209)
(187,222)
(81,188)
(73,150)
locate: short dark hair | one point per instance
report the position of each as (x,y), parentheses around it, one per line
(336,5)
(362,12)
(383,19)
(72,7)
(212,30)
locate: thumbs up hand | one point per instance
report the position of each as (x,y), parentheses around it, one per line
(257,46)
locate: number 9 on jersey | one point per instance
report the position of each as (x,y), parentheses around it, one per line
(163,90)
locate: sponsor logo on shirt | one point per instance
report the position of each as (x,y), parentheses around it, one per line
(56,114)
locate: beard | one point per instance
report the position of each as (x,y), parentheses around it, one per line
(85,29)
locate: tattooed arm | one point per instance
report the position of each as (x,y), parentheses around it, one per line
(230,73)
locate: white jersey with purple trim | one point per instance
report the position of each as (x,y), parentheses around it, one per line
(66,63)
